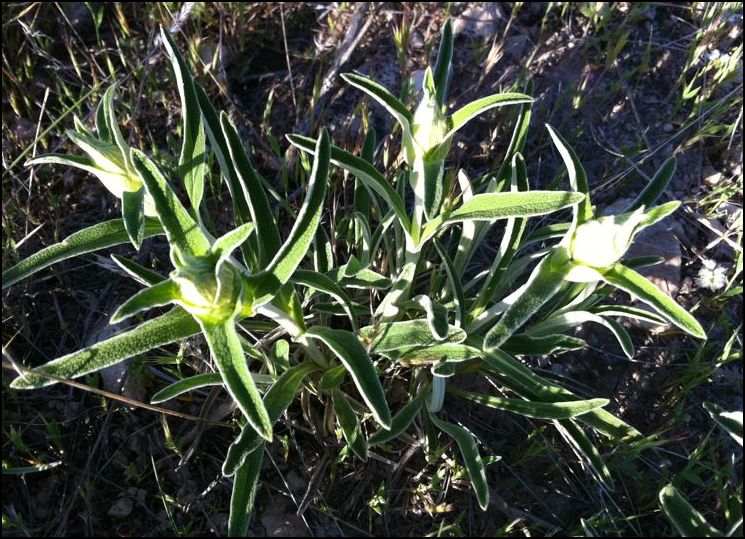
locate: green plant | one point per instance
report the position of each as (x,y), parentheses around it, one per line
(391,305)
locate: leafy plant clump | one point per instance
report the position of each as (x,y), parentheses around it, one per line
(392,305)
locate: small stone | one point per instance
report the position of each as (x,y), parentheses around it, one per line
(711,177)
(668,128)
(479,20)
(121,508)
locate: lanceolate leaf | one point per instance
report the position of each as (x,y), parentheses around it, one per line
(471,457)
(354,357)
(219,146)
(576,172)
(655,187)
(350,424)
(490,206)
(265,285)
(156,295)
(542,284)
(455,285)
(100,236)
(170,327)
(511,239)
(688,521)
(365,172)
(231,362)
(565,321)
(538,410)
(448,352)
(443,66)
(133,211)
(406,334)
(139,273)
(112,125)
(400,421)
(528,345)
(193,150)
(731,422)
(323,284)
(279,396)
(437,316)
(463,115)
(529,385)
(182,231)
(267,234)
(245,485)
(187,384)
(628,312)
(380,94)
(632,282)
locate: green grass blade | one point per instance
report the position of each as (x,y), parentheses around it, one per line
(688,521)
(537,410)
(156,295)
(276,400)
(363,170)
(353,356)
(94,238)
(192,163)
(350,425)
(655,187)
(576,172)
(243,496)
(471,457)
(465,114)
(182,231)
(586,450)
(133,212)
(170,327)
(635,284)
(231,362)
(517,141)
